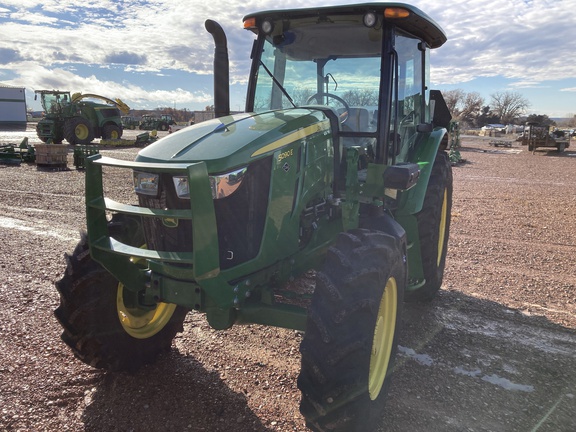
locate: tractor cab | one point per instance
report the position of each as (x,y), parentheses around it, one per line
(368,63)
(53,101)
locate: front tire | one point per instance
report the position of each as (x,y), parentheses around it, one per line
(350,343)
(434,228)
(99,328)
(111,131)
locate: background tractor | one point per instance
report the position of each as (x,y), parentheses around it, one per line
(76,120)
(161,123)
(338,167)
(129,122)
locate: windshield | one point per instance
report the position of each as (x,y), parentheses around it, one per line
(52,102)
(335,63)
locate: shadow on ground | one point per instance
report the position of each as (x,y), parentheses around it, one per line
(175,394)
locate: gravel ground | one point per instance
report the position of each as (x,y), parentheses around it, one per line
(495,351)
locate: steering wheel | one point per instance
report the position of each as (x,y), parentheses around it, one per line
(344,115)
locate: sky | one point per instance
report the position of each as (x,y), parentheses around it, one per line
(157,53)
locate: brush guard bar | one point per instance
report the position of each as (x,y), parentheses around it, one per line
(118,258)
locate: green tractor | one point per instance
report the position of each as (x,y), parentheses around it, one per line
(76,120)
(129,122)
(149,122)
(337,168)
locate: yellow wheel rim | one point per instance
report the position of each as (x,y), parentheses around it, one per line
(442,229)
(114,134)
(142,324)
(81,131)
(383,338)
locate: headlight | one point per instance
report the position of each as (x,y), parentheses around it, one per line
(146,183)
(224,185)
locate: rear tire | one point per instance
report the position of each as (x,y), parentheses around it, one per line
(350,343)
(99,329)
(434,228)
(78,130)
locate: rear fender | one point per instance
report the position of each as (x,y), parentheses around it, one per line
(411,201)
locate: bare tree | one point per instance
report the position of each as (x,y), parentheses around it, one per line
(508,106)
(454,100)
(361,97)
(471,108)
(352,97)
(300,96)
(464,107)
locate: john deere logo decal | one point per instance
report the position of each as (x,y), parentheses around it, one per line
(170,222)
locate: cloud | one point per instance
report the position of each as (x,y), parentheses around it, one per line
(513,39)
(126,58)
(528,43)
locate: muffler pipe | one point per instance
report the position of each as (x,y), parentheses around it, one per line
(221,69)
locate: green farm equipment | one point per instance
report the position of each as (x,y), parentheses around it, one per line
(149,122)
(539,136)
(12,154)
(76,120)
(129,122)
(338,168)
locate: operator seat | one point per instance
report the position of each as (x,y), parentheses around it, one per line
(358,121)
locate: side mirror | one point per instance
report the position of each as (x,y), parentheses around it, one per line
(439,110)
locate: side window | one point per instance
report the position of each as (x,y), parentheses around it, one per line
(410,90)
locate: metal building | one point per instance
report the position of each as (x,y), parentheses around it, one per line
(12,108)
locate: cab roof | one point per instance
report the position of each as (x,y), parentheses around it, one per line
(416,23)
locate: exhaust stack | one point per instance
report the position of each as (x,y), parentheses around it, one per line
(221,69)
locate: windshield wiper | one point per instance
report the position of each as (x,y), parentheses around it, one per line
(280,86)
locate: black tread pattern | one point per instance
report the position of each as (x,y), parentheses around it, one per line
(429,219)
(70,131)
(341,321)
(109,129)
(89,317)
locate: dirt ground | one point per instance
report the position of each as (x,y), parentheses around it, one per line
(495,351)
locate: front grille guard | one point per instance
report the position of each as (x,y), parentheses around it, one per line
(119,258)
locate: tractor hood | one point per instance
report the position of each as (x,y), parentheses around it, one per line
(236,140)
